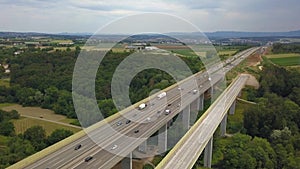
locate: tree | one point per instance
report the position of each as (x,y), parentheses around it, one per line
(7,128)
(57,135)
(19,149)
(37,136)
(244,152)
(295,95)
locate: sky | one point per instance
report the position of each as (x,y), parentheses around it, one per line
(78,16)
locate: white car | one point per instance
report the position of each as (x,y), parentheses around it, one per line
(114,147)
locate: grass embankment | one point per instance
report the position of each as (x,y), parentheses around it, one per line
(235,122)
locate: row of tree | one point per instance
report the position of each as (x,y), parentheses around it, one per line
(286,48)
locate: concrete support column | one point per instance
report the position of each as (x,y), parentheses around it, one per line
(195,105)
(201,101)
(240,94)
(212,91)
(232,108)
(163,139)
(143,146)
(223,125)
(127,162)
(208,153)
(186,115)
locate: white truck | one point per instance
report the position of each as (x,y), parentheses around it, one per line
(161,95)
(142,106)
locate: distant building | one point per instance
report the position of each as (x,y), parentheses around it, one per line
(136,46)
(151,48)
(66,43)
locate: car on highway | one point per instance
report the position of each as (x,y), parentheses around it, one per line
(119,123)
(148,119)
(128,121)
(195,91)
(89,158)
(167,112)
(136,131)
(142,106)
(77,147)
(114,147)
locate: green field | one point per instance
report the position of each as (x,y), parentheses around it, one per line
(6,105)
(283,55)
(22,124)
(227,52)
(61,41)
(287,61)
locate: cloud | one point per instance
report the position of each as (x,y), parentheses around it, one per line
(89,15)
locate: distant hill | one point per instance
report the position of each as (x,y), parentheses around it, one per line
(235,34)
(218,34)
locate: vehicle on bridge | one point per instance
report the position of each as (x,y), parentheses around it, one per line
(142,106)
(162,95)
(89,158)
(168,111)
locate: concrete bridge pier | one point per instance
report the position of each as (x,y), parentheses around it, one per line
(223,125)
(143,147)
(126,163)
(201,101)
(186,115)
(232,108)
(163,139)
(195,105)
(208,153)
(212,91)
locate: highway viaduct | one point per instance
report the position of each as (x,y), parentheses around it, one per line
(62,154)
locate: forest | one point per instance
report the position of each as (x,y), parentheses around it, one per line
(40,78)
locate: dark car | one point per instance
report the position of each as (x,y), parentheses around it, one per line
(136,131)
(89,158)
(78,147)
(128,121)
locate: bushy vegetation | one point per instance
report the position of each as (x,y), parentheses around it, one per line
(14,148)
(270,137)
(286,48)
(40,78)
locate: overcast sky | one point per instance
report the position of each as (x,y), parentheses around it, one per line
(54,16)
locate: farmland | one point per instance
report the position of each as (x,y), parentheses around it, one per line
(286,59)
(22,124)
